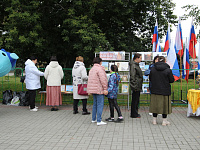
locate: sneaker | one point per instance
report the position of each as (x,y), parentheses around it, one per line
(85,113)
(52,109)
(110,119)
(119,120)
(154,120)
(165,122)
(93,121)
(101,123)
(136,117)
(34,109)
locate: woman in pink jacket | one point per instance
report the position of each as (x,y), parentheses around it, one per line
(97,86)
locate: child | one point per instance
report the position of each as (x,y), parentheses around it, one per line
(112,94)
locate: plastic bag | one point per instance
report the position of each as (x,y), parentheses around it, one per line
(7,97)
(23,97)
(15,101)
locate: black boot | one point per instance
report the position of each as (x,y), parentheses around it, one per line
(85,113)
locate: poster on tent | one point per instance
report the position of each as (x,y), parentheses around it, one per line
(133,53)
(124,78)
(62,88)
(122,66)
(159,54)
(112,55)
(142,66)
(146,56)
(105,64)
(69,88)
(125,88)
(109,65)
(145,88)
(145,78)
(146,67)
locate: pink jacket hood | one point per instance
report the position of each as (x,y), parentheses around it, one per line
(97,80)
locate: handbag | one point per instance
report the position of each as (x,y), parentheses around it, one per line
(82,89)
(22,79)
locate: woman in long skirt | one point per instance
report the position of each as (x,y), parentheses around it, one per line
(160,77)
(53,74)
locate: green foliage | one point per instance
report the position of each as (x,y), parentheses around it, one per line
(69,28)
(193,11)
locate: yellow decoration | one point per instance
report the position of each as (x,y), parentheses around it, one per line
(193,97)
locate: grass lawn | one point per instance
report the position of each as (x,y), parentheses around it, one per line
(13,83)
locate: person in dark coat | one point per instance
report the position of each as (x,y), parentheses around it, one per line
(136,79)
(147,72)
(160,77)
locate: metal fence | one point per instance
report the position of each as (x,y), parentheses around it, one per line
(12,82)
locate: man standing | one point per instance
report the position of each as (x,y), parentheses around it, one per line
(32,80)
(136,79)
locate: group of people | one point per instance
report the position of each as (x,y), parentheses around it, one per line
(160,77)
(53,74)
(98,86)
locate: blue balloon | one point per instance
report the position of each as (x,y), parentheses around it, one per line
(7,62)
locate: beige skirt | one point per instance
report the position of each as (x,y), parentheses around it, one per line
(160,104)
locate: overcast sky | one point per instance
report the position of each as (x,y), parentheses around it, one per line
(186,25)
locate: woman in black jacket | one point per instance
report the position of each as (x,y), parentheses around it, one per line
(160,77)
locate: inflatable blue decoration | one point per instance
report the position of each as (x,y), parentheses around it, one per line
(7,62)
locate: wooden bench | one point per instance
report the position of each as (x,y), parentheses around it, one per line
(45,92)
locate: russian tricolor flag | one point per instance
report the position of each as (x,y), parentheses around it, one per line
(155,40)
(173,62)
(167,41)
(186,62)
(179,40)
(158,49)
(193,42)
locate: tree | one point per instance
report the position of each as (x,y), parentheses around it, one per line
(23,25)
(68,28)
(193,11)
(81,34)
(50,27)
(129,24)
(3,15)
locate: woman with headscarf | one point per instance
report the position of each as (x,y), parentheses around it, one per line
(79,75)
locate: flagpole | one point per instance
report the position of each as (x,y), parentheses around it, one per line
(181,73)
(193,63)
(173,91)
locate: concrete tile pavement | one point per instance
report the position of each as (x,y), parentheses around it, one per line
(21,129)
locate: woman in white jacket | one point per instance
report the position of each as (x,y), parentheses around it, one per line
(53,74)
(32,80)
(79,75)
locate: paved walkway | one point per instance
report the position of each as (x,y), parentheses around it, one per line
(45,130)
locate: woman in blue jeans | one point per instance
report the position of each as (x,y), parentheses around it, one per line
(97,86)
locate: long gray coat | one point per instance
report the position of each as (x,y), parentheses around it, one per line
(79,75)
